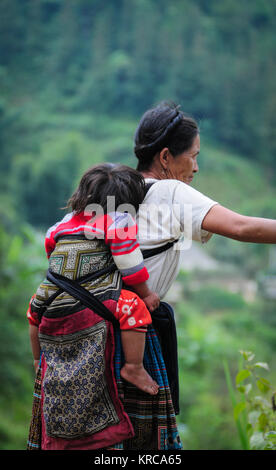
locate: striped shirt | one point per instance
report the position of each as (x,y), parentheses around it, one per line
(119,231)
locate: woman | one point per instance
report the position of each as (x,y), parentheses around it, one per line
(167,144)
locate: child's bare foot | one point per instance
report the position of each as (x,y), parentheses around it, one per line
(138,376)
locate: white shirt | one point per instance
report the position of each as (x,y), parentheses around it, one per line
(170,210)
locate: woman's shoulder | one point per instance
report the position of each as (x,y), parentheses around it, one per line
(175,191)
(166,187)
(155,185)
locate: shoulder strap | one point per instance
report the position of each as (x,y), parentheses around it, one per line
(148,186)
(87,298)
(156,251)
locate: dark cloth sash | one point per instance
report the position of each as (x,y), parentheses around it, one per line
(164,324)
(87,298)
(61,282)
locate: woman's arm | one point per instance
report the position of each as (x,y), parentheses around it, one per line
(230,224)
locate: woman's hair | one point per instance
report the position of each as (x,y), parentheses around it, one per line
(163,126)
(124,183)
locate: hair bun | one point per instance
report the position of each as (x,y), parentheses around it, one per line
(144,152)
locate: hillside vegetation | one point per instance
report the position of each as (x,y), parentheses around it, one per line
(75,78)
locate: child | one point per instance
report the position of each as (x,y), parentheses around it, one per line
(119,231)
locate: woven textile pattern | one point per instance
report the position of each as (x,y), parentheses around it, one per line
(74,258)
(152,417)
(76,398)
(34,439)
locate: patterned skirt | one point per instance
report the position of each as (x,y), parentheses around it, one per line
(152,416)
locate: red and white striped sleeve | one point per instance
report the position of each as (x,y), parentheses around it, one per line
(121,236)
(67,226)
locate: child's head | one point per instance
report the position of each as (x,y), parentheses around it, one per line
(124,183)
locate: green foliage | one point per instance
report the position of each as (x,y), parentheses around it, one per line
(120,57)
(22,266)
(76,76)
(207,339)
(254,413)
(212,299)
(21,269)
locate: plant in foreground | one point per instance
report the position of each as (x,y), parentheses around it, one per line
(255,407)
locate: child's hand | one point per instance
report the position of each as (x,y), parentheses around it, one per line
(152,301)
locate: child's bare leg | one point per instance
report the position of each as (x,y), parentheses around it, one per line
(133,371)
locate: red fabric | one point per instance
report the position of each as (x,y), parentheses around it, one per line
(70,224)
(136,278)
(128,249)
(32,316)
(112,434)
(131,311)
(119,231)
(103,227)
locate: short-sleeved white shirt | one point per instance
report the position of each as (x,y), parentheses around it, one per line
(170,210)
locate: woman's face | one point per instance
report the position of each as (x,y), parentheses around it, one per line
(184,166)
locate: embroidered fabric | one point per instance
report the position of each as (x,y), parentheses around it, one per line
(77,402)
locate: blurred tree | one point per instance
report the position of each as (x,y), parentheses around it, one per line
(121,57)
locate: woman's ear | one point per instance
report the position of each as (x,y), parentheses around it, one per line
(164,156)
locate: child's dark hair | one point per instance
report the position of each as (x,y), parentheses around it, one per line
(124,183)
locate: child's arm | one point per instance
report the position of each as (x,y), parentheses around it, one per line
(128,257)
(33,331)
(150,298)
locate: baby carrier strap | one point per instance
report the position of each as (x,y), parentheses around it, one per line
(78,292)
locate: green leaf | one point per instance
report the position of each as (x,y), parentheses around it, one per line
(261,401)
(253,417)
(247,355)
(244,388)
(271,439)
(238,409)
(263,385)
(249,429)
(257,441)
(242,375)
(263,365)
(263,421)
(241,432)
